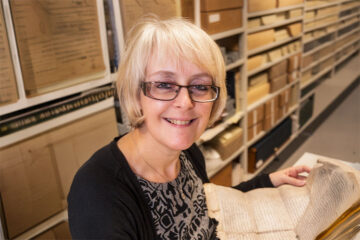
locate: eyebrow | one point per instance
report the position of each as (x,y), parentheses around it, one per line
(171,74)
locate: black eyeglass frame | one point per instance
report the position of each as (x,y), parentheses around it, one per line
(216,88)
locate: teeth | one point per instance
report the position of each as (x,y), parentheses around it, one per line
(178,122)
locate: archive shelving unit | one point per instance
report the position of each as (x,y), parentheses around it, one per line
(323,86)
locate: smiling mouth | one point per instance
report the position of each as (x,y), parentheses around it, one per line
(179,122)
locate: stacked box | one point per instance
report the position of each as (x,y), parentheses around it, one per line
(38,172)
(221,16)
(255,122)
(223,177)
(228,141)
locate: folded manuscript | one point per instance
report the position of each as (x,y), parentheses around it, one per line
(327,207)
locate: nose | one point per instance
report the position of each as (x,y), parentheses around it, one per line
(183,99)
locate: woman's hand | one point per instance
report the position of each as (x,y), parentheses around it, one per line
(290,176)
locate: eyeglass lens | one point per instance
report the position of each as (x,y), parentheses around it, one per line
(169,91)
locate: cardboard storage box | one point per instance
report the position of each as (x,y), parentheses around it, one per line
(275,54)
(51,58)
(8,88)
(228,141)
(285,3)
(257,92)
(260,39)
(295,13)
(278,82)
(294,63)
(215,5)
(258,79)
(294,29)
(44,167)
(60,231)
(268,19)
(260,5)
(255,130)
(223,177)
(292,77)
(281,34)
(254,22)
(278,69)
(220,21)
(256,62)
(30,190)
(256,115)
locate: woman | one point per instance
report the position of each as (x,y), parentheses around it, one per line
(147,184)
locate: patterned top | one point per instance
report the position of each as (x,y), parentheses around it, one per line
(179,207)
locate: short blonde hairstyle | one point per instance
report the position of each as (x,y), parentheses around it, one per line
(177,38)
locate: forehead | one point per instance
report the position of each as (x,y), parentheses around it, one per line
(167,64)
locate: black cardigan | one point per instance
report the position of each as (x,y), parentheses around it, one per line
(106,200)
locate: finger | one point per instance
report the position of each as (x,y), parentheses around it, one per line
(300,177)
(303,168)
(295,182)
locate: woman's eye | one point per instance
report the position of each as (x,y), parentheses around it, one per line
(200,87)
(164,85)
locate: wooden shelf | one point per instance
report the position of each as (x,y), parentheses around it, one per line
(279,24)
(270,64)
(49,223)
(222,163)
(271,158)
(316,77)
(321,46)
(321,6)
(263,133)
(269,96)
(319,18)
(229,33)
(272,45)
(235,64)
(346,57)
(56,122)
(317,62)
(276,10)
(213,132)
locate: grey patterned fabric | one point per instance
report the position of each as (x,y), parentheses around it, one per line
(179,207)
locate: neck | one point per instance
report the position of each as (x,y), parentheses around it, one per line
(150,159)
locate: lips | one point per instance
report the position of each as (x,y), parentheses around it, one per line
(179,122)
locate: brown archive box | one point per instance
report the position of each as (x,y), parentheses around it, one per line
(223,177)
(278,83)
(132,11)
(285,3)
(227,142)
(258,92)
(30,189)
(220,21)
(215,5)
(256,62)
(294,63)
(260,39)
(58,42)
(260,5)
(294,29)
(278,69)
(36,174)
(8,89)
(256,121)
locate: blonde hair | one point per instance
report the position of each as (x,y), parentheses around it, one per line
(177,38)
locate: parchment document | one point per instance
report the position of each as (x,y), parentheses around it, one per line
(327,207)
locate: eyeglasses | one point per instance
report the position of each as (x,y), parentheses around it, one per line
(164,91)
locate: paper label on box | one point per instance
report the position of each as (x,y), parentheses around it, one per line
(214,18)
